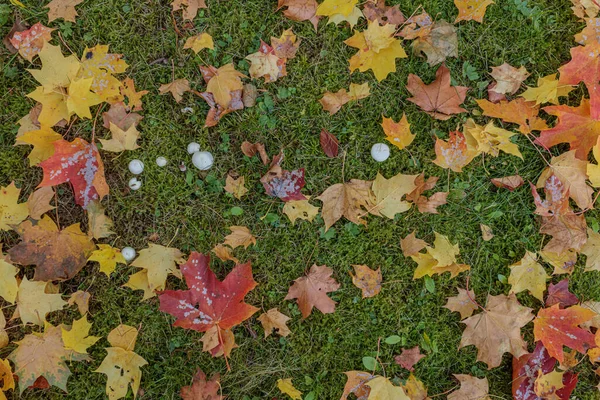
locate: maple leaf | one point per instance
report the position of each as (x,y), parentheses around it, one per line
(57,254)
(508,182)
(64,9)
(251,149)
(563,263)
(589,35)
(329,143)
(378,50)
(583,67)
(122,368)
(108,257)
(286,46)
(286,387)
(224,253)
(202,388)
(134,98)
(559,294)
(356,384)
(77,338)
(592,251)
(57,71)
(273,320)
(121,140)
(398,133)
(470,388)
(438,259)
(123,336)
(414,388)
(199,42)
(454,153)
(6,377)
(347,200)
(367,280)
(389,193)
(235,186)
(508,78)
(222,82)
(8,285)
(300,10)
(265,64)
(528,274)
(383,389)
(99,225)
(377,10)
(119,116)
(33,303)
(190,7)
(593,170)
(417,26)
(439,43)
(82,299)
(98,64)
(333,102)
(4,339)
(157,263)
(177,88)
(239,236)
(547,385)
(497,330)
(438,99)
(462,303)
(11,212)
(43,143)
(585,8)
(411,245)
(216,111)
(490,139)
(300,209)
(311,291)
(471,9)
(43,355)
(548,90)
(332,7)
(209,303)
(518,111)
(286,185)
(409,357)
(30,41)
(424,204)
(78,163)
(556,328)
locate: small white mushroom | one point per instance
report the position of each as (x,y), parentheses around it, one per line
(193,147)
(161,161)
(128,253)
(136,167)
(380,152)
(135,184)
(202,160)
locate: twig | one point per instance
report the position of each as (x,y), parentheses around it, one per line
(538,150)
(469,295)
(223,345)
(377,357)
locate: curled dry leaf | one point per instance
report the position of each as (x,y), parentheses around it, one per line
(423,203)
(250,150)
(235,186)
(311,290)
(508,182)
(367,280)
(239,236)
(118,115)
(356,384)
(82,300)
(177,88)
(329,143)
(300,10)
(274,321)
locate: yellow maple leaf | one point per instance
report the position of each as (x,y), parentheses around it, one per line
(529,275)
(438,259)
(121,140)
(300,209)
(383,389)
(235,186)
(389,193)
(471,9)
(108,257)
(122,368)
(359,91)
(64,9)
(378,50)
(351,19)
(43,143)
(8,284)
(398,133)
(80,98)
(199,42)
(225,80)
(54,107)
(77,338)
(332,7)
(286,387)
(490,139)
(177,88)
(239,236)
(548,90)
(157,262)
(57,70)
(99,64)
(11,211)
(33,303)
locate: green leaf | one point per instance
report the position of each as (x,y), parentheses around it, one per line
(394,339)
(370,363)
(429,284)
(236,211)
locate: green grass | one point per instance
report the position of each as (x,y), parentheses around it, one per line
(193,214)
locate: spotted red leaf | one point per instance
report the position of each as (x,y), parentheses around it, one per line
(209,302)
(329,143)
(79,163)
(284,184)
(525,372)
(559,294)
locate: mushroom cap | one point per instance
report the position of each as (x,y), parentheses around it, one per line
(136,167)
(193,147)
(128,253)
(202,160)
(380,152)
(135,184)
(161,161)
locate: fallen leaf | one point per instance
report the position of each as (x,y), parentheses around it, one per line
(224,253)
(548,90)
(563,263)
(486,232)
(8,285)
(11,211)
(560,294)
(99,225)
(438,99)
(199,42)
(272,321)
(250,150)
(64,9)
(286,387)
(30,41)
(239,236)
(249,95)
(470,388)
(440,43)
(235,186)
(367,280)
(383,389)
(455,153)
(265,64)
(122,368)
(38,202)
(529,275)
(77,338)
(410,245)
(108,257)
(82,299)
(517,111)
(377,10)
(134,98)
(202,388)
(583,67)
(329,143)
(462,303)
(389,194)
(490,139)
(118,115)
(121,140)
(409,357)
(123,336)
(311,291)
(157,263)
(508,182)
(6,377)
(591,249)
(333,102)
(508,78)
(300,10)
(547,385)
(589,35)
(190,10)
(221,82)
(347,200)
(356,384)
(415,389)
(471,9)
(398,133)
(33,303)
(100,65)
(497,330)
(424,204)
(286,185)
(300,209)
(438,259)
(286,46)
(57,254)
(216,111)
(177,88)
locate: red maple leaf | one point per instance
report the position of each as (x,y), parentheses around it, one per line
(560,294)
(556,328)
(578,126)
(208,302)
(583,67)
(78,163)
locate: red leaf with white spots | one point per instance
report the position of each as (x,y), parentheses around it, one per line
(556,328)
(78,163)
(284,184)
(209,302)
(559,294)
(29,42)
(583,67)
(525,373)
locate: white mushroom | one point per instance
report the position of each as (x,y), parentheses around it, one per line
(135,184)
(202,160)
(161,161)
(380,152)
(136,167)
(193,147)
(128,253)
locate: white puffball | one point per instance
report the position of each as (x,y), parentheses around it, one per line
(136,167)
(161,161)
(380,152)
(135,184)
(193,147)
(202,160)
(128,253)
